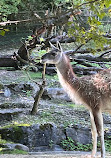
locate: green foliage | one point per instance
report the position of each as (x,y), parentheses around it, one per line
(51,143)
(38,54)
(2,31)
(108,145)
(91,27)
(105,28)
(2,141)
(28,92)
(45,114)
(29,38)
(41,53)
(8,7)
(69,144)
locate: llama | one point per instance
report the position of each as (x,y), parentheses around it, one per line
(92,91)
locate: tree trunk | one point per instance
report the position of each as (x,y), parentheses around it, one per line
(37,99)
(39,94)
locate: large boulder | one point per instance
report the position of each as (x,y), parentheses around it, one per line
(79,134)
(36,137)
(43,137)
(55,93)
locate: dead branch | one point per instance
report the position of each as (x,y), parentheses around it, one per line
(105,53)
(82,44)
(92,58)
(8,61)
(14,22)
(85,70)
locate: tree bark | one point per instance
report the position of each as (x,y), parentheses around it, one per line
(37,100)
(39,94)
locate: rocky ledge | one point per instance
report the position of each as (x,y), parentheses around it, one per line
(46,137)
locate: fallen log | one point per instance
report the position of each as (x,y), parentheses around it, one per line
(85,70)
(8,61)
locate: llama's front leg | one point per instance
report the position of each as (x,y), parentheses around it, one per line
(98,119)
(94,135)
(102,144)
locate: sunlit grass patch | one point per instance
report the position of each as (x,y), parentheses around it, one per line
(15,151)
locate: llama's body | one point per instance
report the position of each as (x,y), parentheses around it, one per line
(92,91)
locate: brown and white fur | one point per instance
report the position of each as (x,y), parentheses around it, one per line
(92,91)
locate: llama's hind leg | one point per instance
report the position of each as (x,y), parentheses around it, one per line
(98,119)
(94,135)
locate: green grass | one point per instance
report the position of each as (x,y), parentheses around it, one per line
(21,76)
(38,75)
(15,125)
(71,105)
(15,151)
(3,141)
(34,75)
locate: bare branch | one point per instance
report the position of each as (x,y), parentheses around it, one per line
(82,44)
(105,53)
(13,22)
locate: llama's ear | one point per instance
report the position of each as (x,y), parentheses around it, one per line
(52,45)
(59,46)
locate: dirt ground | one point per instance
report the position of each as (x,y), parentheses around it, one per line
(55,155)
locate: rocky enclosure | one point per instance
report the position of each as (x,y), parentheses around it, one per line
(57,118)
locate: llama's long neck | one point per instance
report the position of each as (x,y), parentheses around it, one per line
(67,78)
(65,71)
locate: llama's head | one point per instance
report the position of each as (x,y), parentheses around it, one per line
(54,56)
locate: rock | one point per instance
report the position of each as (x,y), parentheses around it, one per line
(46,137)
(16,146)
(7,92)
(21,147)
(106,119)
(20,87)
(42,135)
(55,93)
(58,148)
(79,134)
(35,136)
(8,114)
(35,88)
(60,134)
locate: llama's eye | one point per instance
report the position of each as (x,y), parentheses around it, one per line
(53,54)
